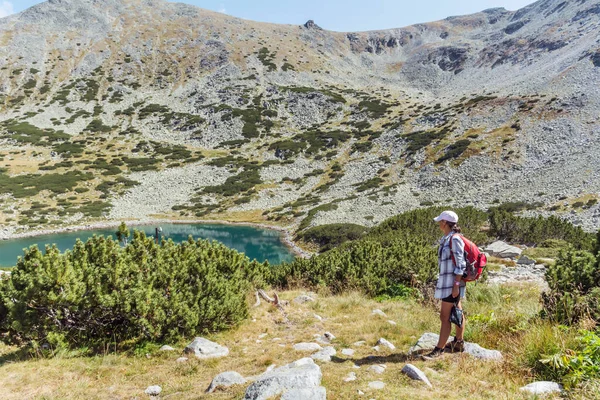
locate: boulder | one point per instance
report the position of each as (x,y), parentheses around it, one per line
(226,379)
(524,260)
(429,340)
(325,354)
(503,250)
(204,348)
(384,342)
(153,391)
(307,347)
(542,387)
(301,374)
(416,374)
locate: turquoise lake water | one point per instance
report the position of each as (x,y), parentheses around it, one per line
(256,243)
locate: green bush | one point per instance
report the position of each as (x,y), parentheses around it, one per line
(506,226)
(330,236)
(574,282)
(100,293)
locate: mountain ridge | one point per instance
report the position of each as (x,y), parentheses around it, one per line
(168,106)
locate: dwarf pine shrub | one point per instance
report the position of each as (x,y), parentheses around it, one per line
(101,293)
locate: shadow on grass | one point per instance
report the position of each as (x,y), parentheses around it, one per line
(368,360)
(21,354)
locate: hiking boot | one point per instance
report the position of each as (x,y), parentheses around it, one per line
(455,346)
(437,352)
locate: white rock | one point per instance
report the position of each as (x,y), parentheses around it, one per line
(384,342)
(325,354)
(318,317)
(359,343)
(307,347)
(348,352)
(153,390)
(392,322)
(226,379)
(429,340)
(360,392)
(542,387)
(204,348)
(302,299)
(377,385)
(379,313)
(181,359)
(350,377)
(415,373)
(377,369)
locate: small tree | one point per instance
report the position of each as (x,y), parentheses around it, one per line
(123,234)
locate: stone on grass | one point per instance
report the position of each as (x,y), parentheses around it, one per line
(225,379)
(307,347)
(302,299)
(392,322)
(503,250)
(429,340)
(326,338)
(181,359)
(318,393)
(204,348)
(153,390)
(378,312)
(350,377)
(415,373)
(318,317)
(325,354)
(301,374)
(378,369)
(383,342)
(166,348)
(359,343)
(378,385)
(348,352)
(542,387)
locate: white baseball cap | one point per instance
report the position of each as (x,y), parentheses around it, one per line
(449,216)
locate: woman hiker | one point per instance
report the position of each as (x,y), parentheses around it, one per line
(450,285)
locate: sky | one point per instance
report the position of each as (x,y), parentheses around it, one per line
(336,15)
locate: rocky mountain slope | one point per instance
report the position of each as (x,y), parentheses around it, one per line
(136,109)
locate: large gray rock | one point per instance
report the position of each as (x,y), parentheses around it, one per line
(503,250)
(301,374)
(325,354)
(416,374)
(429,340)
(226,379)
(543,387)
(318,393)
(204,348)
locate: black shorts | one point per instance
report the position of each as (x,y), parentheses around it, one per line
(451,299)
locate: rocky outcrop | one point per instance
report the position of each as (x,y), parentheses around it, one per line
(503,250)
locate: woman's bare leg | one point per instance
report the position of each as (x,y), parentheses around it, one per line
(446,325)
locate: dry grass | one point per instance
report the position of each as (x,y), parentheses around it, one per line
(348,317)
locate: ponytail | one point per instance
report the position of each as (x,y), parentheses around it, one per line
(454,226)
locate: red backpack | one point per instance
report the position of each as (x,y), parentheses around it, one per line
(475,259)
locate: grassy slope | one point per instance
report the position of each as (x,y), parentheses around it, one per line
(500,319)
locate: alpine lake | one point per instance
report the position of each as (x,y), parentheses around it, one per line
(256,243)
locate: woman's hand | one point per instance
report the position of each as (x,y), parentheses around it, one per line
(455,290)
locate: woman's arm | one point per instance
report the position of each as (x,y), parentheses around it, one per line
(458,254)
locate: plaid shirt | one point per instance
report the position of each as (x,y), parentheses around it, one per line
(448,270)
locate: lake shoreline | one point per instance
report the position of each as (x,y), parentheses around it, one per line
(286,235)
